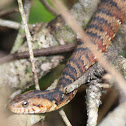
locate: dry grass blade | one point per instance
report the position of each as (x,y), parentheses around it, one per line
(9,24)
(7,12)
(29,39)
(64,117)
(51,9)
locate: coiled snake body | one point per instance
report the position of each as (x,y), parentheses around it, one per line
(102,29)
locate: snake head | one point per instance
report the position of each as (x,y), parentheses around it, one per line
(30,102)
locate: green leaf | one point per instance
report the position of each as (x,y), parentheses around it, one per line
(39,13)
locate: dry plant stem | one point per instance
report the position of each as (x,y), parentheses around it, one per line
(64,117)
(54,50)
(29,39)
(51,9)
(21,33)
(84,37)
(93,102)
(7,59)
(7,12)
(9,24)
(47,51)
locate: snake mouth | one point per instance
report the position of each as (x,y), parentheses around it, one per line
(19,109)
(15,110)
(30,110)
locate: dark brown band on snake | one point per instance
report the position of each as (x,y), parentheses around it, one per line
(101,30)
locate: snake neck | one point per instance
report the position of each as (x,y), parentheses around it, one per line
(101,30)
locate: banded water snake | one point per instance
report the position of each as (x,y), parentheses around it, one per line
(102,29)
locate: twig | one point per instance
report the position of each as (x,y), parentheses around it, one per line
(84,37)
(64,117)
(7,12)
(51,9)
(9,24)
(29,39)
(93,102)
(73,86)
(54,50)
(21,33)
(7,58)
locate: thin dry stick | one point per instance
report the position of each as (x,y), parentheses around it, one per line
(7,12)
(84,37)
(93,101)
(21,32)
(9,24)
(64,117)
(39,52)
(77,83)
(29,39)
(51,9)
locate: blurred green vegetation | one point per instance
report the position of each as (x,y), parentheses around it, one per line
(124,53)
(39,13)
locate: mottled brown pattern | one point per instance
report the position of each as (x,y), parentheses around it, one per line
(109,31)
(100,38)
(111,20)
(122,5)
(68,77)
(118,14)
(103,36)
(102,30)
(76,68)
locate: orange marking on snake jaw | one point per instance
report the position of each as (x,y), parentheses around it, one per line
(107,21)
(32,109)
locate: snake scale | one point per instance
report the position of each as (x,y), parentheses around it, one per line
(102,29)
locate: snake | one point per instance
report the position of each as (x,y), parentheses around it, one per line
(101,29)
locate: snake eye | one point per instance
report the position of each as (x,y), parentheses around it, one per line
(25,104)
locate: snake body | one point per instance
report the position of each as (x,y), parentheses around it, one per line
(102,29)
